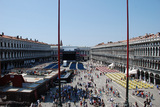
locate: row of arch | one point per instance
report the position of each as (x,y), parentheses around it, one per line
(150,51)
(153,64)
(23,54)
(147,76)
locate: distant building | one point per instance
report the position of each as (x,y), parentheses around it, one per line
(72,53)
(144,56)
(84,53)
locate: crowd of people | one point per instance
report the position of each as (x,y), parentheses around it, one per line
(87,92)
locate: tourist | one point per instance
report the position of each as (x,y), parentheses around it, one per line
(86,105)
(38,101)
(136,87)
(102,103)
(65,106)
(157,87)
(114,93)
(145,103)
(150,103)
(149,94)
(74,102)
(133,92)
(111,99)
(106,85)
(80,103)
(137,93)
(111,88)
(136,104)
(39,105)
(142,94)
(53,102)
(152,96)
(31,105)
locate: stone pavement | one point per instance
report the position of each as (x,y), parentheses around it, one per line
(100,82)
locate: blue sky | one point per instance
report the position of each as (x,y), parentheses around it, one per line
(83,22)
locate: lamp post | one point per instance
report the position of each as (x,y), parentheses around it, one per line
(59,74)
(126,102)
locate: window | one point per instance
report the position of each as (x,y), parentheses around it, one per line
(1,45)
(12,45)
(4,44)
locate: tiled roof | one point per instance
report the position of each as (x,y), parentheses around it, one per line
(21,39)
(134,39)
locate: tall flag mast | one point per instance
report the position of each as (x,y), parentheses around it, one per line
(126,102)
(59,74)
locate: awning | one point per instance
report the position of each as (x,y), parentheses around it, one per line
(133,71)
(111,65)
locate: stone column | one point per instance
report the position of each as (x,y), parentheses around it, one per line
(149,80)
(144,76)
(154,80)
(158,52)
(140,76)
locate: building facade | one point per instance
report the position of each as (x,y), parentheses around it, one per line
(19,52)
(144,56)
(80,53)
(84,53)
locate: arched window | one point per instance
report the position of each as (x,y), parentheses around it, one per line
(4,44)
(8,44)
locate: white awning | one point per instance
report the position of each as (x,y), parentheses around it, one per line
(133,71)
(111,65)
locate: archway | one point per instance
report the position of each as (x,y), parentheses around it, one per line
(119,67)
(146,76)
(142,75)
(151,78)
(123,69)
(138,74)
(157,79)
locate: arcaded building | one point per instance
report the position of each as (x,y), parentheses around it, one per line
(19,52)
(144,56)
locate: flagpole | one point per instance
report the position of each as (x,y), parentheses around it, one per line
(126,102)
(59,74)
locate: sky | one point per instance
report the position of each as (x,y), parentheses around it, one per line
(83,22)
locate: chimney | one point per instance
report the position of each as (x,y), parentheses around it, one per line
(17,36)
(35,40)
(20,37)
(2,33)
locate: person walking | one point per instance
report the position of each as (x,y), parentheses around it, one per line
(136,104)
(75,102)
(81,103)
